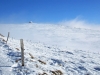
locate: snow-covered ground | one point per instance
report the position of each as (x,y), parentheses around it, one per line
(50,49)
(62,36)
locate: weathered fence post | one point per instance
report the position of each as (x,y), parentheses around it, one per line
(8,36)
(22,51)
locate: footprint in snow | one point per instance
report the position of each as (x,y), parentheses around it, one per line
(69,53)
(16,54)
(6,46)
(97,68)
(82,68)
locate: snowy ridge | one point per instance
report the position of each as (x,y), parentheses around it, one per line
(41,59)
(62,36)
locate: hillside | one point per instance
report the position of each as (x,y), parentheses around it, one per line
(63,36)
(41,59)
(50,50)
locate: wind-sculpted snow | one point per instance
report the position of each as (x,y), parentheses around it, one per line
(62,36)
(42,59)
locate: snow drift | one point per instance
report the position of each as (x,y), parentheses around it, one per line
(50,49)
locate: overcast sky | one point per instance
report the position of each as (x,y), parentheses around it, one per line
(49,11)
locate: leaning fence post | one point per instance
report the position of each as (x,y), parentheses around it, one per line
(8,36)
(22,51)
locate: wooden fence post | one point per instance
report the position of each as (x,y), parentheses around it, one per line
(22,51)
(8,36)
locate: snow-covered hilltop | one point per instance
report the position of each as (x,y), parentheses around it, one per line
(50,50)
(58,35)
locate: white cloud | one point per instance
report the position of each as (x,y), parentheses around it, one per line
(80,24)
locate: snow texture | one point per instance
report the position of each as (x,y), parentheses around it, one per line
(42,58)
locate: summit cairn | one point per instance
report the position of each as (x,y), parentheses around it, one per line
(30,21)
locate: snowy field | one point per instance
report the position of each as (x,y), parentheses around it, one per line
(63,36)
(50,50)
